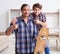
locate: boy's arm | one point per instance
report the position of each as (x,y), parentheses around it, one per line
(44,24)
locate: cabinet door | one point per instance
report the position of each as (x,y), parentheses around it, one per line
(13,13)
(52,19)
(59,18)
(59,23)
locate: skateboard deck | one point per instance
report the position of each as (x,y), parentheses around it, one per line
(41,41)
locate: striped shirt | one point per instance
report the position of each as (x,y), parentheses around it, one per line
(25,36)
(41,17)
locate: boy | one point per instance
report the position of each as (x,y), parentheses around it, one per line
(40,19)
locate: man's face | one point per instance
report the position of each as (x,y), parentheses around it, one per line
(26,11)
(36,11)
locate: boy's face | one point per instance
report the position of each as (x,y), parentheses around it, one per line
(36,11)
(26,11)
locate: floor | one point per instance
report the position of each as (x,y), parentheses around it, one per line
(10,49)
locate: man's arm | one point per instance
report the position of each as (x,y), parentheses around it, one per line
(9,30)
(12,27)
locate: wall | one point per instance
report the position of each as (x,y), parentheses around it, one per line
(6,5)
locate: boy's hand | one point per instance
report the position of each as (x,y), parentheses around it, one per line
(38,21)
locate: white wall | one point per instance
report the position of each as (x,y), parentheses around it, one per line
(6,5)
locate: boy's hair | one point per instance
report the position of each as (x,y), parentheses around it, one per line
(37,5)
(24,5)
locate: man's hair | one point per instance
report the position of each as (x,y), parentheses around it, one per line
(24,5)
(37,5)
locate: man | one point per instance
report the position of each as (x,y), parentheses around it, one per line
(40,19)
(25,32)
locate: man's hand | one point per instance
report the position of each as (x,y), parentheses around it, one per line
(14,21)
(15,26)
(10,29)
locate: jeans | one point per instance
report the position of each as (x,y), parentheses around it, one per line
(47,50)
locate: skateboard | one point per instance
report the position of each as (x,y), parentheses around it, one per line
(41,41)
